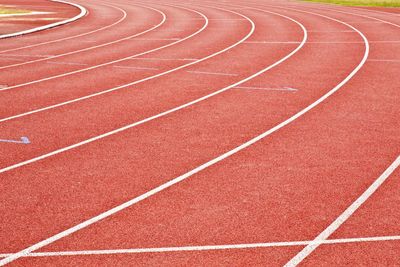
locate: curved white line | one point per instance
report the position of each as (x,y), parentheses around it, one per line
(87,48)
(74,36)
(56,24)
(112,62)
(165,185)
(23,14)
(155,116)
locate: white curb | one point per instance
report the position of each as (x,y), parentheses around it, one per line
(45,27)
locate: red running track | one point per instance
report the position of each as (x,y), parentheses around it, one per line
(245,134)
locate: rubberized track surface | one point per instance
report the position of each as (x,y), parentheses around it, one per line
(163,133)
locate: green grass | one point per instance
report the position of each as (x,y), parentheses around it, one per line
(381,3)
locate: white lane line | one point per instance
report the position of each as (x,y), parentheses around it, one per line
(267,89)
(67,63)
(385,60)
(10,58)
(324,235)
(331,31)
(272,42)
(74,36)
(170,30)
(123,59)
(33,19)
(84,64)
(389,41)
(365,22)
(318,42)
(114,66)
(24,14)
(350,42)
(95,46)
(18,55)
(167,59)
(207,247)
(227,19)
(136,68)
(170,183)
(212,73)
(24,140)
(81,14)
(156,39)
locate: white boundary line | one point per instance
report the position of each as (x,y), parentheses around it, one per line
(168,59)
(344,216)
(207,247)
(74,36)
(205,25)
(23,14)
(385,60)
(283,88)
(91,47)
(45,27)
(212,73)
(169,183)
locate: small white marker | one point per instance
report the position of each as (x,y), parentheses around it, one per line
(24,140)
(212,73)
(268,89)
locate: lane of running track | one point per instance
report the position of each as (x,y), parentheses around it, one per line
(224,118)
(376,111)
(381,166)
(307,140)
(99,15)
(288,25)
